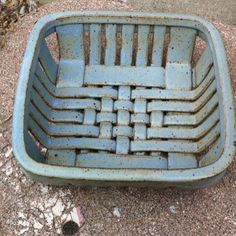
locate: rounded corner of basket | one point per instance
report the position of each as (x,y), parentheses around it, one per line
(24,160)
(39,24)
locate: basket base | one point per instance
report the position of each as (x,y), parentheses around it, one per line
(198,184)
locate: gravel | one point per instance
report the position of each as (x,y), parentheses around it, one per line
(30,208)
(117,212)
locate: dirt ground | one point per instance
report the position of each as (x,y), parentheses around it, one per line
(30,208)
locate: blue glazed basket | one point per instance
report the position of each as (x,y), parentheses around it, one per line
(124,102)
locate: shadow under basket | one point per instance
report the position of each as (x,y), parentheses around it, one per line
(109,98)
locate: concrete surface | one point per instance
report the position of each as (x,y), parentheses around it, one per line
(215,9)
(30,208)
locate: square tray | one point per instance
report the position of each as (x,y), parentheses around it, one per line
(131,98)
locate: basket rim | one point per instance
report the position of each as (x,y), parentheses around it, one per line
(181,175)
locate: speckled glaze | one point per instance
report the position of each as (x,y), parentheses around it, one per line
(140,119)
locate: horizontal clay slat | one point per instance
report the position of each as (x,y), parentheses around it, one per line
(124,75)
(97,160)
(171,94)
(183,106)
(69,142)
(56,115)
(177,145)
(65,103)
(192,119)
(63,129)
(185,133)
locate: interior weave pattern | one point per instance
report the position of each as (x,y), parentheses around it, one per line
(138,94)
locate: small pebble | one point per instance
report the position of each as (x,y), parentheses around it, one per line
(21,215)
(9,171)
(173,209)
(58,208)
(22,10)
(23,231)
(8,153)
(24,223)
(117,212)
(49,217)
(37,225)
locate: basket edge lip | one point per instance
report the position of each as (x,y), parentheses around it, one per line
(185,175)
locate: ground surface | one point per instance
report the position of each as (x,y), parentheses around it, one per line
(29,208)
(216,9)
